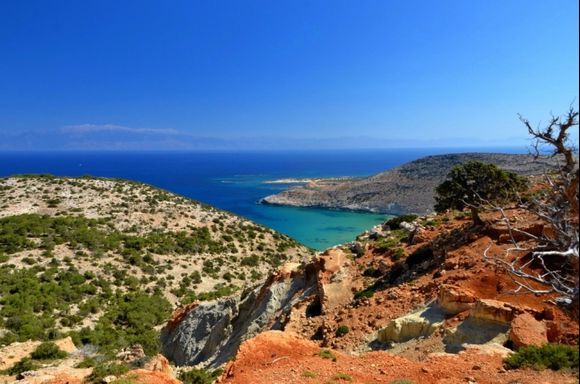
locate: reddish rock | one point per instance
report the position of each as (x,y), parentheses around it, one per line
(455,300)
(334,280)
(159,364)
(526,331)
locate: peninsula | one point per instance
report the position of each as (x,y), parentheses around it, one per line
(401,190)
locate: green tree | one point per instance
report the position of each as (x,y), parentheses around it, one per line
(475,184)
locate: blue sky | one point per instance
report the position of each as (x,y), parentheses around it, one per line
(282,74)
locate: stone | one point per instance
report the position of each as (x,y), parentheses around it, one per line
(526,331)
(421,323)
(454,300)
(159,364)
(486,309)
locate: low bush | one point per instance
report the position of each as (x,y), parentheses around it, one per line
(396,221)
(199,376)
(552,356)
(100,371)
(342,330)
(24,365)
(327,354)
(48,350)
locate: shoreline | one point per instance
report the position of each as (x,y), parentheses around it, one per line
(291,180)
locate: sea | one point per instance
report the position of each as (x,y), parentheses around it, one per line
(236,181)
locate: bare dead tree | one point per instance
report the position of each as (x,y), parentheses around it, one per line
(551,264)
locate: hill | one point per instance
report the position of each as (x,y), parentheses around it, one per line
(401,190)
(106,261)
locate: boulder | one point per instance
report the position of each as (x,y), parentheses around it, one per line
(526,331)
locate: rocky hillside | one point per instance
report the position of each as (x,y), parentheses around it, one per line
(415,302)
(404,189)
(106,261)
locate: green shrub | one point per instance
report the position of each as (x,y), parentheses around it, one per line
(24,365)
(396,221)
(100,371)
(552,356)
(327,354)
(310,374)
(402,381)
(199,376)
(473,183)
(87,362)
(342,377)
(399,252)
(342,330)
(48,350)
(364,294)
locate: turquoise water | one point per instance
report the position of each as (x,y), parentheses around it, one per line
(235,181)
(322,228)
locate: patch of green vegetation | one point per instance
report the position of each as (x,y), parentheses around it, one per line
(552,356)
(310,374)
(342,377)
(87,362)
(326,354)
(100,371)
(32,300)
(342,330)
(199,376)
(24,365)
(130,319)
(396,221)
(48,351)
(398,254)
(364,294)
(402,381)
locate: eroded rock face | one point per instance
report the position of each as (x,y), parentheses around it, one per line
(334,280)
(418,324)
(211,332)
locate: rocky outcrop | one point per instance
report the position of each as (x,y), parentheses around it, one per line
(334,280)
(418,324)
(211,332)
(453,300)
(526,330)
(404,189)
(493,310)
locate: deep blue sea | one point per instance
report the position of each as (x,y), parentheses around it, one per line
(234,181)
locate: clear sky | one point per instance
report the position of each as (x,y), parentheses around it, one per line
(282,74)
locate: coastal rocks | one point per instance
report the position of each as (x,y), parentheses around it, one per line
(526,331)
